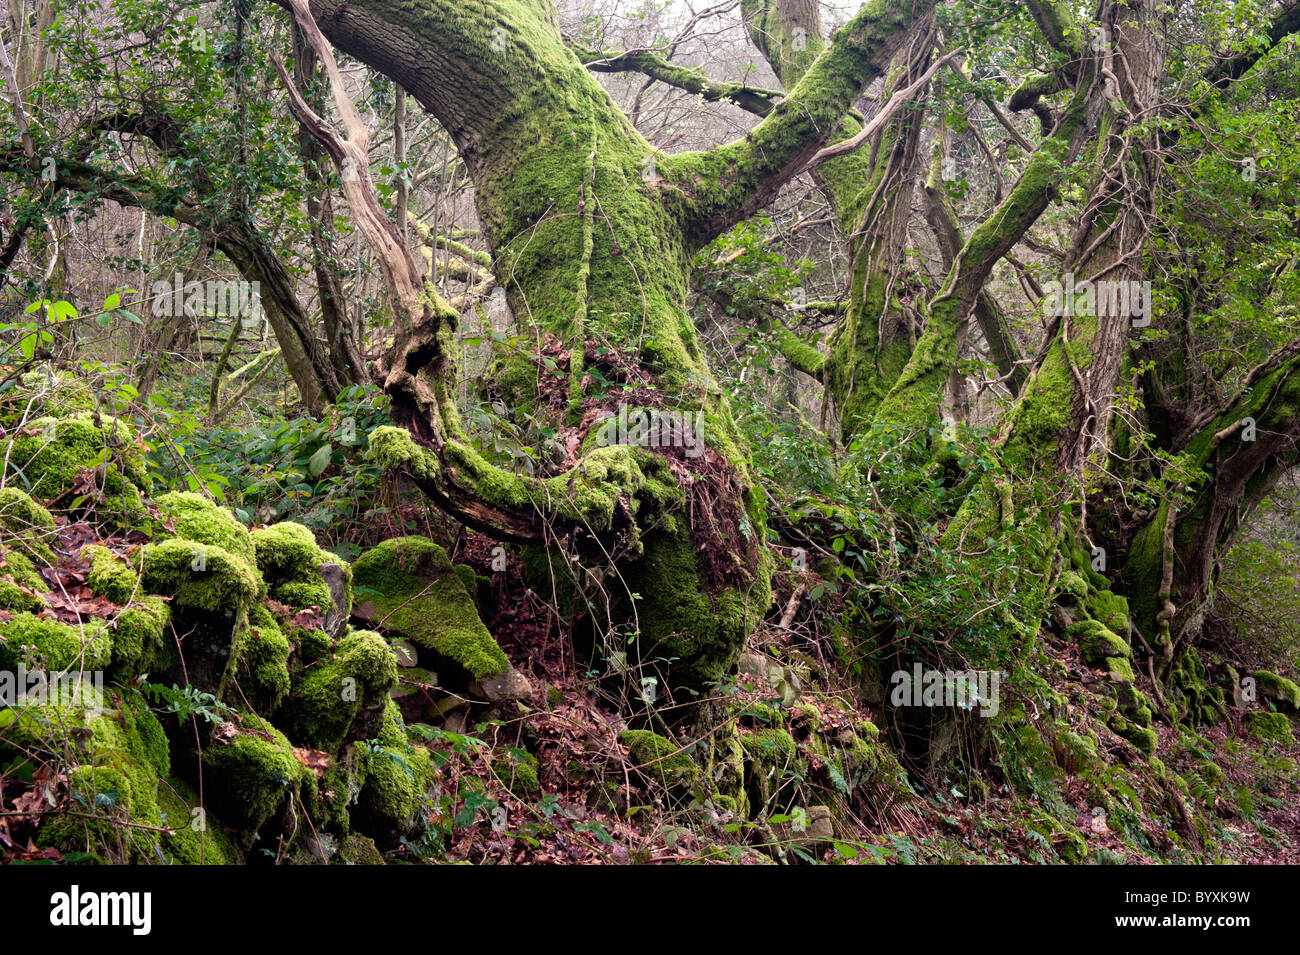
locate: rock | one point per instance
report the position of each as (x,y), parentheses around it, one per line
(511,685)
(336,617)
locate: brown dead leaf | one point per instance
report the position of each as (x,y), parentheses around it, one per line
(313,759)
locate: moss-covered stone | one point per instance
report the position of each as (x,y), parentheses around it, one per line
(119,755)
(292,564)
(26,527)
(343,695)
(39,643)
(408,586)
(517,771)
(259,672)
(1273,727)
(1279,689)
(139,643)
(396,778)
(198,519)
(200,577)
(111,577)
(52,453)
(250,773)
(1097,642)
(659,758)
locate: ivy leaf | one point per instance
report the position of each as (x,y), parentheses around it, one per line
(319,461)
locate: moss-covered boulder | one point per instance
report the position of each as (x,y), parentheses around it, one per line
(258,674)
(300,574)
(196,518)
(200,577)
(26,528)
(89,463)
(250,774)
(21,586)
(1283,692)
(342,696)
(1097,642)
(408,587)
(39,643)
(660,758)
(395,778)
(1271,727)
(119,772)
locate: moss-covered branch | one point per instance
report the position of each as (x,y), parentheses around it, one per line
(749,98)
(719,187)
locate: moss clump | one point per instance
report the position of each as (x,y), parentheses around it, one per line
(333,692)
(119,756)
(290,560)
(25,526)
(49,644)
(138,638)
(199,576)
(517,771)
(1120,670)
(110,577)
(660,758)
(21,585)
(51,460)
(1097,641)
(259,671)
(396,778)
(196,838)
(196,518)
(250,775)
(359,850)
(1108,608)
(1279,689)
(409,587)
(1142,737)
(1271,727)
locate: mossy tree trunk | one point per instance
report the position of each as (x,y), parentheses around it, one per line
(591,234)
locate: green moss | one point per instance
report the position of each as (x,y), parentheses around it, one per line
(311,644)
(1142,737)
(251,776)
(110,577)
(517,771)
(259,664)
(1279,689)
(408,586)
(290,561)
(54,646)
(199,576)
(26,526)
(359,850)
(196,518)
(50,461)
(392,796)
(1272,727)
(22,586)
(197,839)
(659,758)
(1121,671)
(1110,609)
(119,755)
(323,705)
(139,643)
(1097,642)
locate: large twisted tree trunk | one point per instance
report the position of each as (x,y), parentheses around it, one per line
(592,233)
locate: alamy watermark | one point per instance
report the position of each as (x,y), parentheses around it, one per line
(965,689)
(213,297)
(41,688)
(1121,299)
(653,428)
